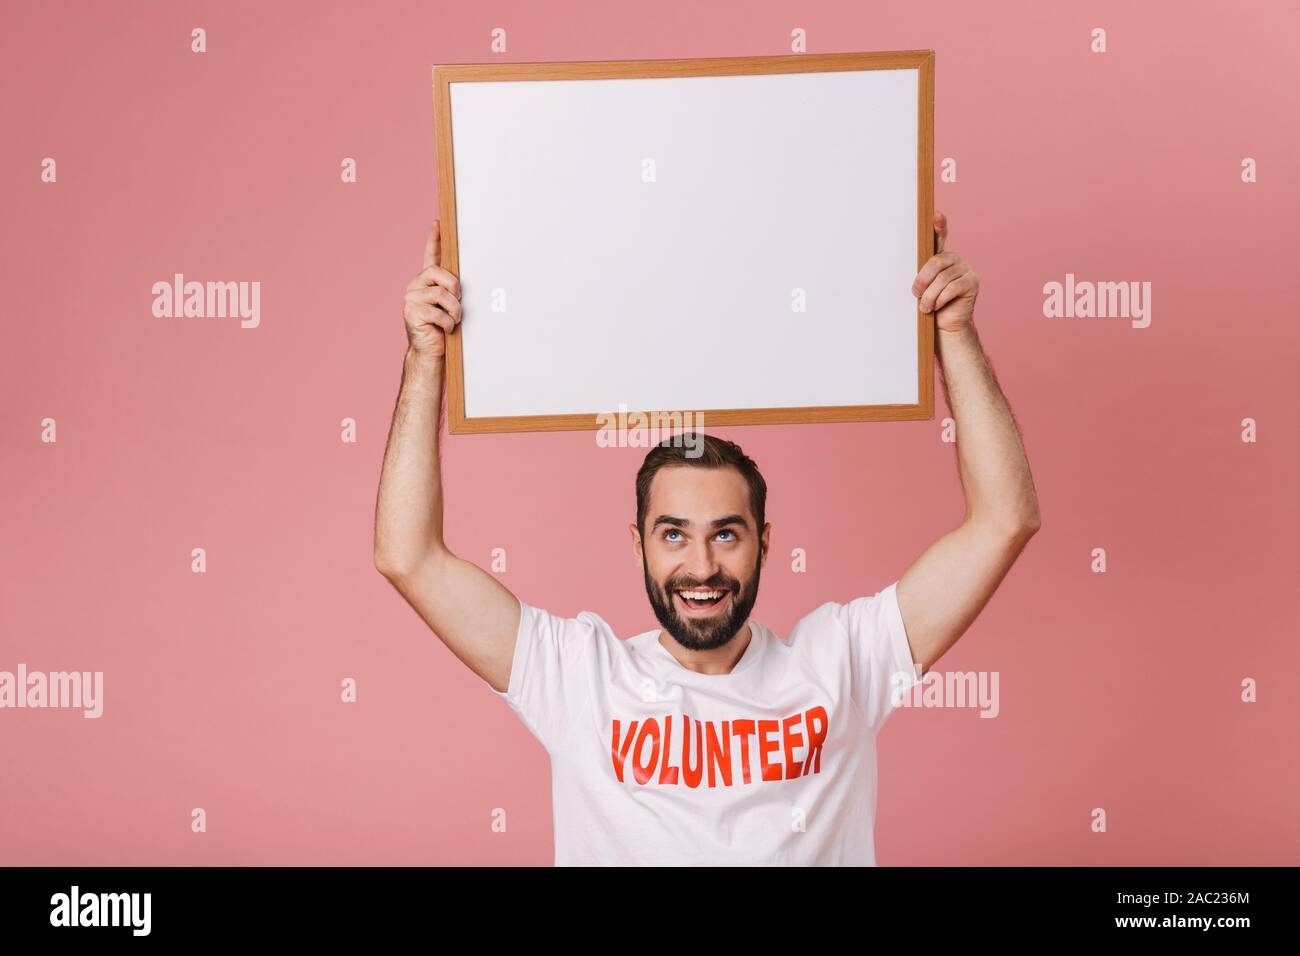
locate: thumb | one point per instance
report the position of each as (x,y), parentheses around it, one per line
(433,247)
(940,231)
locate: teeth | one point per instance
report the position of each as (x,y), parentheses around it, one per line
(701,595)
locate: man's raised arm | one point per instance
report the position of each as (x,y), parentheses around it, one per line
(469,609)
(949,584)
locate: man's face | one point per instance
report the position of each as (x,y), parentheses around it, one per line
(700,535)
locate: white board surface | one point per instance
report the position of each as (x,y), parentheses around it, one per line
(587,288)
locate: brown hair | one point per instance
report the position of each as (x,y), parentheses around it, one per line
(717,453)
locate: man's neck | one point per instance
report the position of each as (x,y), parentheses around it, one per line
(719,660)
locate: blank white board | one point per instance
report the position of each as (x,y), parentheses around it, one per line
(727,243)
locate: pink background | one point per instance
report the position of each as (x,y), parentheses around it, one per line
(1119,690)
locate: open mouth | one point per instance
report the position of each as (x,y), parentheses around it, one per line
(701,601)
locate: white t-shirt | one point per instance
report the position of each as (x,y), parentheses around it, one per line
(773,763)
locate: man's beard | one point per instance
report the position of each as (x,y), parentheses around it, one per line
(703,634)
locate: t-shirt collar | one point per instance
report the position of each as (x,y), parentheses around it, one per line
(753,650)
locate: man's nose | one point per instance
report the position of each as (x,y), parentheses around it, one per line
(702,566)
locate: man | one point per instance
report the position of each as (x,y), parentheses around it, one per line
(712,740)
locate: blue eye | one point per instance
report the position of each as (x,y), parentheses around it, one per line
(675,531)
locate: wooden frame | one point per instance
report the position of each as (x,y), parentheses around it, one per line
(920,60)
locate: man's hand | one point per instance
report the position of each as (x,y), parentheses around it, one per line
(466,607)
(947,285)
(947,587)
(432,301)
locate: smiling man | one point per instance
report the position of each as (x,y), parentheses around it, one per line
(711,739)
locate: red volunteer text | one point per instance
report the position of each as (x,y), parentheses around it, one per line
(700,752)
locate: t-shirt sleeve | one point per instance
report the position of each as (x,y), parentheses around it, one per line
(880,658)
(548,687)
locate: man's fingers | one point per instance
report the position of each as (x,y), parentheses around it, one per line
(962,284)
(932,268)
(433,315)
(435,295)
(943,280)
(433,247)
(940,231)
(435,275)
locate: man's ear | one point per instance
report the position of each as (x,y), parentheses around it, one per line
(765,543)
(636,542)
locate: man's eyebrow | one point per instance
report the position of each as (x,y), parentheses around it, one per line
(683,523)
